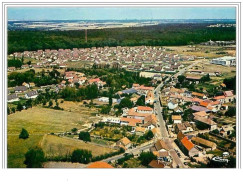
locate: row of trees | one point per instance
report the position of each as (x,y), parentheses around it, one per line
(40,79)
(159,35)
(72,94)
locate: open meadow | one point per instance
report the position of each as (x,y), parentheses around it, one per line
(39,121)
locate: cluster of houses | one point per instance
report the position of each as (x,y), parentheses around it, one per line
(203,108)
(140,58)
(24,91)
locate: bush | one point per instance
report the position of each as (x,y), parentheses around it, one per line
(81,156)
(231,112)
(149,135)
(24,134)
(34,158)
(85,136)
(146,158)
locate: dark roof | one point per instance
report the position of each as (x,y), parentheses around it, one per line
(129,91)
(20,88)
(199,108)
(32,93)
(12,96)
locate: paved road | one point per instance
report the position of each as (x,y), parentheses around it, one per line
(137,149)
(161,123)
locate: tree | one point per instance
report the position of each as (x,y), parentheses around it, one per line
(146,158)
(149,135)
(231,112)
(24,134)
(188,115)
(74,130)
(141,101)
(181,78)
(105,109)
(126,102)
(205,78)
(50,103)
(230,83)
(13,110)
(8,110)
(81,156)
(19,106)
(34,158)
(85,136)
(110,100)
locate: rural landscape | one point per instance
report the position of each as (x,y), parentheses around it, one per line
(150,93)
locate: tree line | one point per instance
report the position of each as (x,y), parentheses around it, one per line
(157,35)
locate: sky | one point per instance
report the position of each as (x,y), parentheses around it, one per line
(115,13)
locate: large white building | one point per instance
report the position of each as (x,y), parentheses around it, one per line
(225,61)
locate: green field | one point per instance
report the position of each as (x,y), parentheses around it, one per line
(38,122)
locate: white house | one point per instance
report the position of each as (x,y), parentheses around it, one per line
(172,105)
(31,95)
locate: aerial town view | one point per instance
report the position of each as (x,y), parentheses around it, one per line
(124,89)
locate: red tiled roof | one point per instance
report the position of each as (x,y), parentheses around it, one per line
(187,143)
(144,108)
(99,164)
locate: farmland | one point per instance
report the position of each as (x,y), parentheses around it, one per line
(39,121)
(60,146)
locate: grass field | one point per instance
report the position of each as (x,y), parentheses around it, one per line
(39,121)
(60,146)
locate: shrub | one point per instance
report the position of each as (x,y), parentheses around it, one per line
(34,158)
(85,136)
(81,156)
(24,134)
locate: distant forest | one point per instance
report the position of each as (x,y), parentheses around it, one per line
(158,35)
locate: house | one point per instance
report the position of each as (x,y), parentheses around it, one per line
(32,84)
(99,164)
(140,131)
(208,145)
(20,89)
(11,69)
(178,110)
(172,105)
(31,95)
(13,98)
(26,84)
(188,147)
(156,132)
(160,144)
(176,118)
(229,96)
(211,125)
(129,91)
(114,120)
(195,79)
(156,164)
(149,99)
(201,114)
(25,66)
(130,122)
(183,127)
(124,143)
(199,108)
(143,90)
(226,130)
(164,157)
(144,109)
(150,122)
(220,98)
(199,95)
